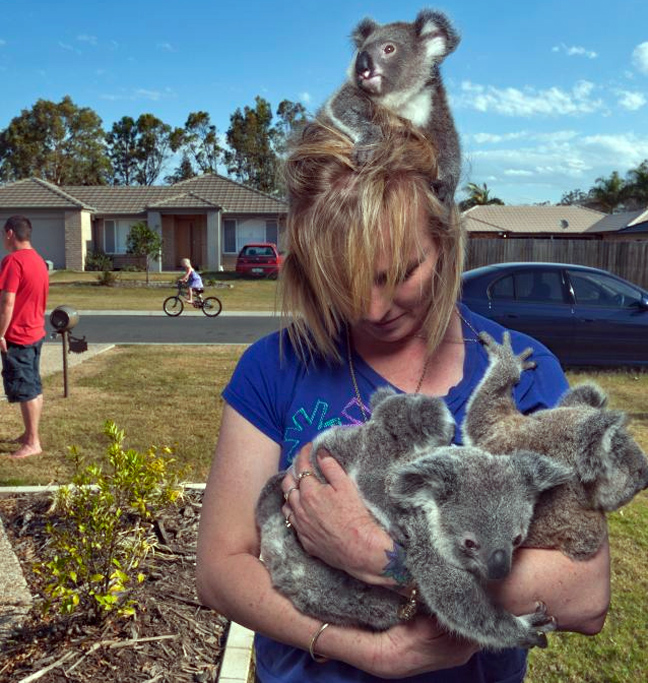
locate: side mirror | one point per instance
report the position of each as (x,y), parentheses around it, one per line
(64,318)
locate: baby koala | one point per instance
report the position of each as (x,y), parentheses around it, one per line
(458,512)
(396,66)
(580,432)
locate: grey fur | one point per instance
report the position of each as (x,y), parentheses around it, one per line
(407,81)
(430,497)
(580,432)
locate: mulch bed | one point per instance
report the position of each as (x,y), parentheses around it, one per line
(171,639)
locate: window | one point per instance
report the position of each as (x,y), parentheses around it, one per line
(229,236)
(272,232)
(503,288)
(115,235)
(591,289)
(541,286)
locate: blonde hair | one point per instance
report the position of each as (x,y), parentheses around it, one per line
(343,215)
(185,262)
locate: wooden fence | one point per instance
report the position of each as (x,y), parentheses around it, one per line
(628,260)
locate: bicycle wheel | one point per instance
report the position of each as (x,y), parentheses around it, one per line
(212,306)
(173,306)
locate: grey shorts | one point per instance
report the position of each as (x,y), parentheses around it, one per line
(21,372)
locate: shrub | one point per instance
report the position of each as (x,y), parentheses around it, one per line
(108,278)
(98,260)
(102,527)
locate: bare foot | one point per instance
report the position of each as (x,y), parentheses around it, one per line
(26,450)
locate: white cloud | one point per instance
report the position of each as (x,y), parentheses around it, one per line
(139,94)
(575,51)
(85,38)
(631,100)
(67,46)
(529,101)
(167,47)
(640,57)
(305,97)
(2,42)
(519,173)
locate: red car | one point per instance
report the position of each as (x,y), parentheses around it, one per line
(261,259)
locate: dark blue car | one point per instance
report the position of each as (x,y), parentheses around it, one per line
(586,316)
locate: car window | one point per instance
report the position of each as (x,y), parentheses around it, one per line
(593,289)
(503,288)
(539,286)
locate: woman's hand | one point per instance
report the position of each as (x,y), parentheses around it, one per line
(332,521)
(408,649)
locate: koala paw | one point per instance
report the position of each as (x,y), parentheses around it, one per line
(502,355)
(537,624)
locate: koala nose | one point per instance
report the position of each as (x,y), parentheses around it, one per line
(363,63)
(499,565)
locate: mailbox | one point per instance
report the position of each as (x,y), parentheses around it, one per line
(64,318)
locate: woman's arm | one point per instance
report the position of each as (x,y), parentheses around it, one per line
(232,580)
(577,594)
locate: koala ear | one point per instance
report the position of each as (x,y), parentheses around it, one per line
(435,28)
(540,472)
(584,395)
(379,396)
(363,30)
(595,434)
(431,477)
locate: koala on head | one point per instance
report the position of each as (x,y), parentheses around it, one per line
(580,432)
(459,512)
(396,66)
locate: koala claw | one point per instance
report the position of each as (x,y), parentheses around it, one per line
(504,352)
(539,623)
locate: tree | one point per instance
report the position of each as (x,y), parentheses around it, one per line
(609,193)
(199,143)
(478,195)
(184,171)
(255,144)
(58,142)
(138,149)
(574,197)
(144,241)
(637,185)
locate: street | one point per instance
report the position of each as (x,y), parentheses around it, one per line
(161,329)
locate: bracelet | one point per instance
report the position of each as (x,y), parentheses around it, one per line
(311,648)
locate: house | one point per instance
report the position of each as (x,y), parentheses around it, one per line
(630,225)
(539,222)
(207,219)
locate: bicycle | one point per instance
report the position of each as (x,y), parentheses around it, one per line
(174,305)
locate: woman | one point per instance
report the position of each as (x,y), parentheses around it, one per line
(371,279)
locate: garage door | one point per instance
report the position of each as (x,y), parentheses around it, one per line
(48,237)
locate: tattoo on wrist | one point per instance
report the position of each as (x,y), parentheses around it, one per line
(395,567)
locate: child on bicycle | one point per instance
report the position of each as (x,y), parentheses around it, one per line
(192,279)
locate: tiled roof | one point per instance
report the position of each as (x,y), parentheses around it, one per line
(619,221)
(205,192)
(34,193)
(564,220)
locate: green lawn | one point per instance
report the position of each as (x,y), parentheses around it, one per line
(130,292)
(165,395)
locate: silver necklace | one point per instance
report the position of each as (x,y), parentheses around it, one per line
(419,384)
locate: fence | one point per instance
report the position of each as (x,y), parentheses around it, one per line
(625,259)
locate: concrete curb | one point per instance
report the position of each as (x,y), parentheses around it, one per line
(238,661)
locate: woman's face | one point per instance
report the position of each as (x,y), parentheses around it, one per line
(401,315)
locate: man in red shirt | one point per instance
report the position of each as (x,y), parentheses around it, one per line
(24,285)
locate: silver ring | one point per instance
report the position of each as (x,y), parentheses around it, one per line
(287,521)
(289,491)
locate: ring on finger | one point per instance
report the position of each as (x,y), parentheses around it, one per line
(287,521)
(289,491)
(301,475)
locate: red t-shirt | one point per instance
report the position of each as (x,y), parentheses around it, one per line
(24,273)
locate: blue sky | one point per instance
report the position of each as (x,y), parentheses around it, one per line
(547,96)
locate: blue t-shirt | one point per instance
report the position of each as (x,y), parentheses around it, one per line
(291,402)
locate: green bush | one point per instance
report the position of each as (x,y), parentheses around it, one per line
(98,260)
(102,527)
(108,278)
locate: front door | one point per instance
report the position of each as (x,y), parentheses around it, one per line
(189,233)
